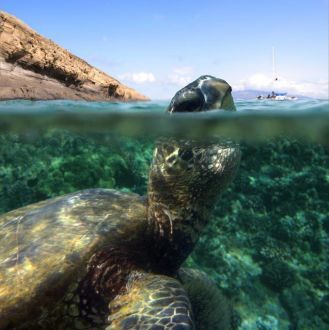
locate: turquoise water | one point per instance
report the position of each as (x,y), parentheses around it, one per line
(267,245)
(254,120)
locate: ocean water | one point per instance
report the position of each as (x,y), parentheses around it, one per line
(267,245)
(255,119)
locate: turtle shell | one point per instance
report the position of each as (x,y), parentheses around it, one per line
(44,246)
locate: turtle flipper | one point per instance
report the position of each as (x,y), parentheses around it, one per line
(211,309)
(151,302)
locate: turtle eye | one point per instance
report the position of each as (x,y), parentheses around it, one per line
(187,101)
(185,155)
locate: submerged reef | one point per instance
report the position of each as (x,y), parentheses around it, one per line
(34,168)
(267,247)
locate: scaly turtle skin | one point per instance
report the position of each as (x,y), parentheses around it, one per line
(102,259)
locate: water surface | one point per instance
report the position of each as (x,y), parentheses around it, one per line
(254,120)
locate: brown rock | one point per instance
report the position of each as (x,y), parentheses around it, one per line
(33,67)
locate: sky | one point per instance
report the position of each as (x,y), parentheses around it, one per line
(158,46)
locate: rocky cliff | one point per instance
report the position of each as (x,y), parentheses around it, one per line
(33,67)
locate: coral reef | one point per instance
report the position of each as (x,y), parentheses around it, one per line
(268,245)
(39,167)
(266,248)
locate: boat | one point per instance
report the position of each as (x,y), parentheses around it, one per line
(284,97)
(276,96)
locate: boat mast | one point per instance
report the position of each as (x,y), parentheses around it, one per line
(275,78)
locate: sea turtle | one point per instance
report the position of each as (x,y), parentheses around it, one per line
(104,259)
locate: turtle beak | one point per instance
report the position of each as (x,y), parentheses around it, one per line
(227,102)
(218,95)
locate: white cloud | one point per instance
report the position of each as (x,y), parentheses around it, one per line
(262,82)
(138,77)
(183,70)
(181,76)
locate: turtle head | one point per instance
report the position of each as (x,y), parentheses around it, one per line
(205,159)
(205,93)
(194,163)
(186,176)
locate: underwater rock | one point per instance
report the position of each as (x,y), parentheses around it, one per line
(33,67)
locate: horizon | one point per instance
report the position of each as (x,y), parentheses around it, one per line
(157,49)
